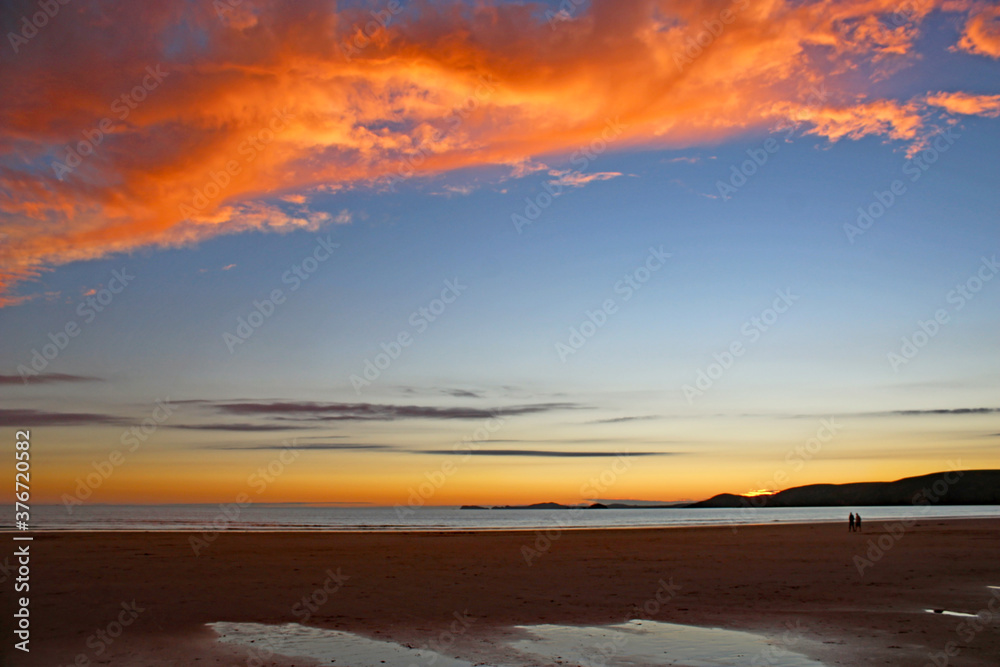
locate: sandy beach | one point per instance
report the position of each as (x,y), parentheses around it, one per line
(462,592)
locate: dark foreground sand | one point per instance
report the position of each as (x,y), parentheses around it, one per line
(409,587)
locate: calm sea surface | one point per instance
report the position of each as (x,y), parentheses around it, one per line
(261,517)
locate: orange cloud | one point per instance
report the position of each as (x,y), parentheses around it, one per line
(137,124)
(982,33)
(883,117)
(969,105)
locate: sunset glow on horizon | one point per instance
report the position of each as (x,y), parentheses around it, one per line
(444,253)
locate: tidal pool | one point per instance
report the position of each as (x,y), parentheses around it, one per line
(330,647)
(654,643)
(645,643)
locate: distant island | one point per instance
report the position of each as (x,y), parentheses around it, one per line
(954,487)
(560,506)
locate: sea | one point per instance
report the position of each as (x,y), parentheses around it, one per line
(297,517)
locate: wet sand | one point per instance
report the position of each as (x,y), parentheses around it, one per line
(461,592)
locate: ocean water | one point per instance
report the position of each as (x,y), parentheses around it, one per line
(269,517)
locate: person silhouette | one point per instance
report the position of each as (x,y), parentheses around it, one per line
(850,522)
(857,523)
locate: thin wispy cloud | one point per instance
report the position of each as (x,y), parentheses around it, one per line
(939,411)
(684,159)
(237,427)
(621,420)
(879,413)
(306,410)
(315,446)
(30,417)
(538,452)
(46,378)
(454,392)
(575,179)
(608,441)
(463,393)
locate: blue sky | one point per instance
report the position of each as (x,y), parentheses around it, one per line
(523,291)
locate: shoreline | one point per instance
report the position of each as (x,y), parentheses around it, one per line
(553,524)
(407,586)
(451,531)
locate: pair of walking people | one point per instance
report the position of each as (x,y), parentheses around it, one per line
(854,522)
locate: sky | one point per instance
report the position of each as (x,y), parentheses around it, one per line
(436,253)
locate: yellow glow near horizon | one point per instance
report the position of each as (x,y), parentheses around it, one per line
(326,477)
(175,468)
